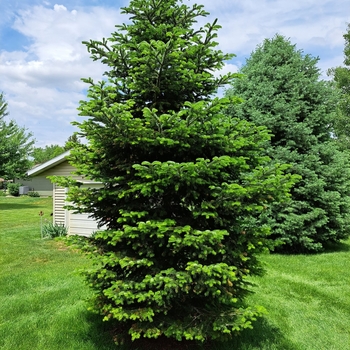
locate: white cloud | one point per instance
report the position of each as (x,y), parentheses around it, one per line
(42,82)
(59,8)
(247,23)
(228,68)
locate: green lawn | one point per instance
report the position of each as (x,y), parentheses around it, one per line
(43,298)
(308,300)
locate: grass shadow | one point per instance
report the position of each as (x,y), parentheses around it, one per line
(101,333)
(337,247)
(15,206)
(328,247)
(262,336)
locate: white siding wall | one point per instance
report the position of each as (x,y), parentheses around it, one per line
(77,224)
(62,169)
(81,224)
(59,200)
(59,193)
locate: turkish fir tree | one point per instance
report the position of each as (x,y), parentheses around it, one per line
(182,185)
(341,77)
(282,90)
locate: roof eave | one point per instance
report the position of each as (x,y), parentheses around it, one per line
(49,164)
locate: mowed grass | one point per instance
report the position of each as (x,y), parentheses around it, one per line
(308,302)
(43,297)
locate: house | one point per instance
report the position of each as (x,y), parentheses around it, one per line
(39,184)
(77,224)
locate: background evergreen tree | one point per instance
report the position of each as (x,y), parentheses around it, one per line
(282,91)
(182,183)
(15,146)
(341,76)
(71,141)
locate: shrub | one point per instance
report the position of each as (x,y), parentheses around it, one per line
(33,194)
(13,188)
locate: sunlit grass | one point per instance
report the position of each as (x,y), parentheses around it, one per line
(308,303)
(42,297)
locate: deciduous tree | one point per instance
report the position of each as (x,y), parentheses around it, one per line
(43,154)
(341,76)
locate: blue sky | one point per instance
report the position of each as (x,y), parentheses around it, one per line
(42,58)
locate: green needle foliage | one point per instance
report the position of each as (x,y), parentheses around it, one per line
(282,91)
(16,146)
(182,184)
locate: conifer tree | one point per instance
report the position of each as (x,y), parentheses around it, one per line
(16,146)
(282,90)
(182,184)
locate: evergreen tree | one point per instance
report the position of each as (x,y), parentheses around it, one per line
(71,141)
(282,91)
(3,107)
(181,183)
(15,146)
